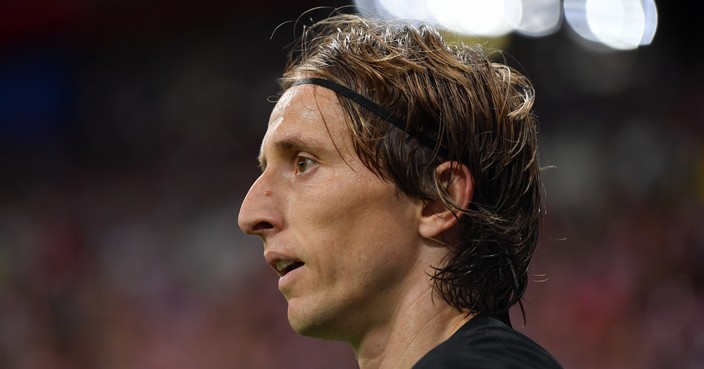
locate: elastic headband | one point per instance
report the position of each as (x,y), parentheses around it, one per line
(372,107)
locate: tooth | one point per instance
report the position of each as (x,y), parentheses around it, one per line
(283,264)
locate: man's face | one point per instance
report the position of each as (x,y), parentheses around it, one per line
(344,242)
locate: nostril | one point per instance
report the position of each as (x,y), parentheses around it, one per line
(262,226)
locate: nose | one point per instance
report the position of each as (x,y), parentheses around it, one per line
(258,215)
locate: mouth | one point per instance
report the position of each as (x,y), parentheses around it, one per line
(284,267)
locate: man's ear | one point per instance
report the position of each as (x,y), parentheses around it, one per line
(455,184)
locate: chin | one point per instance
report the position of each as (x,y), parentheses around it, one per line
(309,324)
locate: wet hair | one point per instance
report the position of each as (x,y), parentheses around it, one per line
(475,111)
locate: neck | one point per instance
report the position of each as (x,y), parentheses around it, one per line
(422,321)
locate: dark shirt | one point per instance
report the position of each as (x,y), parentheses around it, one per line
(487,343)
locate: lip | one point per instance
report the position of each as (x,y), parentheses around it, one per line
(287,279)
(285,265)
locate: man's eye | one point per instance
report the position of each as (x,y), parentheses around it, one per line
(303,164)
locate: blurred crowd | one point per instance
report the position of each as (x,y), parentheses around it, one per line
(124,163)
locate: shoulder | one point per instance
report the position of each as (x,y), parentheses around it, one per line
(487,343)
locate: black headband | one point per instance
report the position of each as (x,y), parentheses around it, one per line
(372,107)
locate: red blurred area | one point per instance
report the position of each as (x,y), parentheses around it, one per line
(128,136)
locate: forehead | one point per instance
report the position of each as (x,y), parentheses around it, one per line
(305,114)
(305,101)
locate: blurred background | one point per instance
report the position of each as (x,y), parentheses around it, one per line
(128,136)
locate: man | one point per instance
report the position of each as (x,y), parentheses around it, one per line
(400,198)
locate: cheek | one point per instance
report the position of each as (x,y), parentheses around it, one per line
(359,213)
(371,227)
(351,217)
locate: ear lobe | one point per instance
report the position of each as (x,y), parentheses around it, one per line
(455,185)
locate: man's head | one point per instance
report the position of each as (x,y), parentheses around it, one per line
(477,112)
(444,129)
(341,239)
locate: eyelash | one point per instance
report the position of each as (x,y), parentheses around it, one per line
(302,159)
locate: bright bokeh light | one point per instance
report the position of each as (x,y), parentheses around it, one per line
(408,9)
(540,17)
(651,21)
(477,17)
(618,24)
(576,17)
